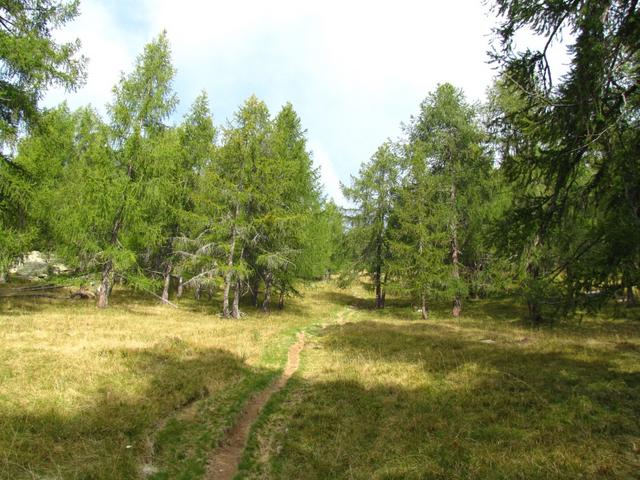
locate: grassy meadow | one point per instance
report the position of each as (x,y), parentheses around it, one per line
(145,391)
(137,390)
(385,395)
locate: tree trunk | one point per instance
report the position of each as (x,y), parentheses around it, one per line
(236,300)
(266,304)
(533,272)
(104,290)
(166,275)
(3,276)
(533,302)
(105,285)
(228,276)
(227,279)
(383,295)
(631,298)
(180,287)
(378,284)
(457,302)
(424,310)
(255,291)
(281,300)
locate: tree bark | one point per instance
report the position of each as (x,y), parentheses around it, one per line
(105,285)
(533,272)
(457,302)
(631,298)
(266,304)
(424,308)
(378,285)
(236,300)
(167,283)
(281,300)
(180,287)
(255,291)
(229,274)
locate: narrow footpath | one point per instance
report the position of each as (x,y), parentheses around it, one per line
(224,461)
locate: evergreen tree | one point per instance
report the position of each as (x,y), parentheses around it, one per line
(450,138)
(373,192)
(190,240)
(577,142)
(112,186)
(420,237)
(233,175)
(31,61)
(291,202)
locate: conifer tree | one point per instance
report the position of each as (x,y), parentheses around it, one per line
(32,60)
(576,141)
(291,199)
(245,147)
(420,237)
(191,240)
(373,193)
(450,139)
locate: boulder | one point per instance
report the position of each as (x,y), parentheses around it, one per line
(35,265)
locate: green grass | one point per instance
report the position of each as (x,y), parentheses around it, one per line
(388,396)
(103,394)
(88,394)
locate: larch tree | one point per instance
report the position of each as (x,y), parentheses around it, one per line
(450,139)
(32,60)
(291,196)
(191,240)
(420,236)
(245,147)
(576,139)
(372,193)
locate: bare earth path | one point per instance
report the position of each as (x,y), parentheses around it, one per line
(223,463)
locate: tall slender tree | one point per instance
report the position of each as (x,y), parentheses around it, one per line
(373,192)
(450,139)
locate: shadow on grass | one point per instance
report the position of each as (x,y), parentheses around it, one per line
(476,411)
(109,438)
(346,299)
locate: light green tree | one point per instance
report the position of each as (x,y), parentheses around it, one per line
(373,195)
(32,60)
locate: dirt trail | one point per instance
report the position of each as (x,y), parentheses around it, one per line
(223,463)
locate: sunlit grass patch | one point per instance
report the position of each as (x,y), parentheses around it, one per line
(89,393)
(386,395)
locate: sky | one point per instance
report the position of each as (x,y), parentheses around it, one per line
(353,70)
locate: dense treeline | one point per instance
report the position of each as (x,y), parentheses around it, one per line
(534,191)
(140,201)
(537,191)
(423,207)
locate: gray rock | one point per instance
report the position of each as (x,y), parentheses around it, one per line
(36,265)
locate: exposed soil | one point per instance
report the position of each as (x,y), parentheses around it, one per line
(224,461)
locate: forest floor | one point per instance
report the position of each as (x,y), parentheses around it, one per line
(145,391)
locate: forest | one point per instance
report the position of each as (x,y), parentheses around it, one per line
(476,293)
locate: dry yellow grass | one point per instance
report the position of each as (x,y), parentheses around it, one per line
(86,393)
(142,390)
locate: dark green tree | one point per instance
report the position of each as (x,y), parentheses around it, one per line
(574,143)
(448,134)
